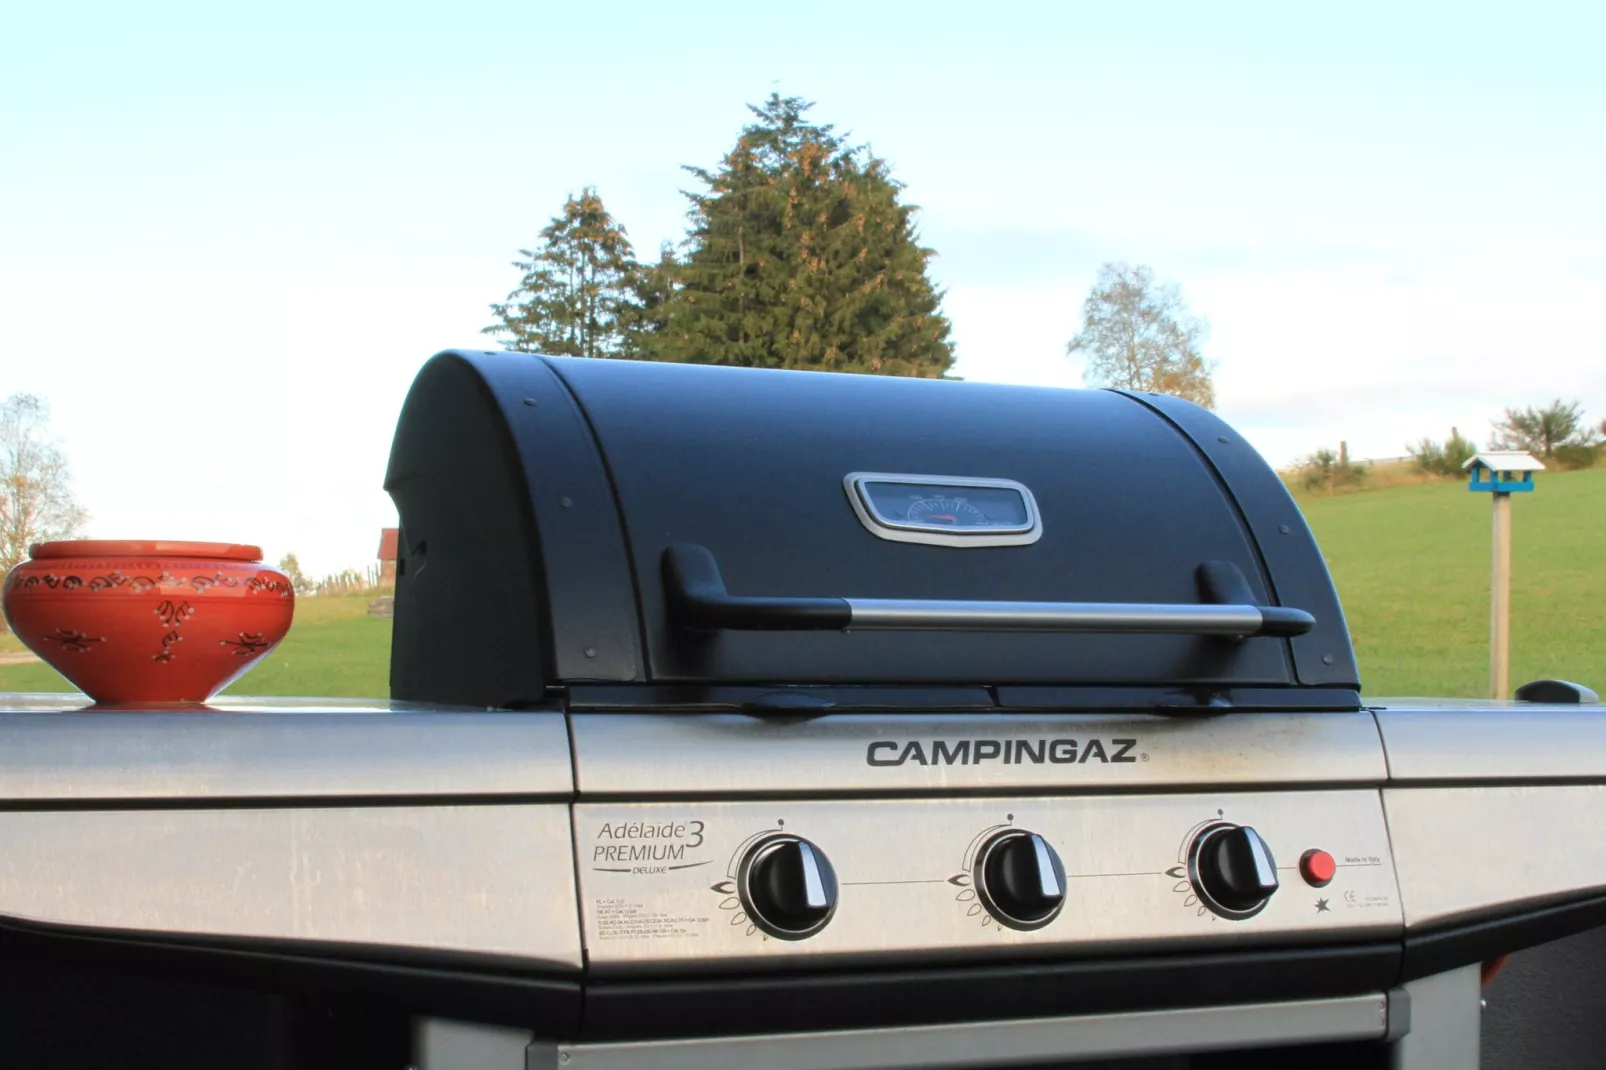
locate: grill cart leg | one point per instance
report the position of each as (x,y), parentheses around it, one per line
(442,1044)
(1445,1024)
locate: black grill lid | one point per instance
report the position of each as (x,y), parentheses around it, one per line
(567,521)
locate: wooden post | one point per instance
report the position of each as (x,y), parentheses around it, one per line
(1500,599)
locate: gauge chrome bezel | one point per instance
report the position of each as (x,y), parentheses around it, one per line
(930,534)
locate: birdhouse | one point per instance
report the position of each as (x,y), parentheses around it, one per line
(1502,471)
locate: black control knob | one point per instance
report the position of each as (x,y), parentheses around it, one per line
(788,887)
(1232,870)
(1020,879)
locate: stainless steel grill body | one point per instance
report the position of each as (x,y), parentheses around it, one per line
(600,849)
(757,718)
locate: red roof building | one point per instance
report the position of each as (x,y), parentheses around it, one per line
(387,556)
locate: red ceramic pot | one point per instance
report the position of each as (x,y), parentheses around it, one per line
(148,621)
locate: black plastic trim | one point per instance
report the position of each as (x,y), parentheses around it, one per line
(1463,944)
(1296,572)
(783,698)
(866,1000)
(1181,699)
(494,469)
(550,1005)
(1224,584)
(698,599)
(691,1006)
(764,698)
(1558,692)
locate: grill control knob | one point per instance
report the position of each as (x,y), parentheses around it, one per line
(787,886)
(1232,870)
(1020,879)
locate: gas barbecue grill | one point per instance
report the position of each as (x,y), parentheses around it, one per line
(754,718)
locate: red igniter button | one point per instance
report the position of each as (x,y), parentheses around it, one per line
(1317,867)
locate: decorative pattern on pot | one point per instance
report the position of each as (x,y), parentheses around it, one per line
(148,621)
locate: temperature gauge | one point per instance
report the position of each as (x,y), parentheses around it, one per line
(945,510)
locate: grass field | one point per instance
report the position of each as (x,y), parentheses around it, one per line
(334,648)
(1412,569)
(1411,564)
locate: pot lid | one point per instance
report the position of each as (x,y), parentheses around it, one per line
(221,551)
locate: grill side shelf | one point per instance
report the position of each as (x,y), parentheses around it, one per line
(699,601)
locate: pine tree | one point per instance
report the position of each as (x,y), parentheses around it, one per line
(645,318)
(802,256)
(578,292)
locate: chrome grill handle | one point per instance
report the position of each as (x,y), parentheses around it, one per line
(699,601)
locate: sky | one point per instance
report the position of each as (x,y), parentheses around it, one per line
(230,234)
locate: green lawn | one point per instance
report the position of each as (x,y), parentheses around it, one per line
(1412,569)
(334,648)
(1411,564)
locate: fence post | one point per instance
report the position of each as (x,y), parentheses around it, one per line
(1500,599)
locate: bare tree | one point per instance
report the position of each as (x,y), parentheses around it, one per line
(36,502)
(1542,430)
(1137,334)
(290,565)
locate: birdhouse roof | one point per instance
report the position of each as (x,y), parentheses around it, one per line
(1506,461)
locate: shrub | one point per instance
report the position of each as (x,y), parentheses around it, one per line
(351,582)
(1428,455)
(1574,457)
(1444,459)
(1457,452)
(1326,470)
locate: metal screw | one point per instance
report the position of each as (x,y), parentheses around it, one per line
(1327,659)
(591,651)
(566,502)
(1283,528)
(530,402)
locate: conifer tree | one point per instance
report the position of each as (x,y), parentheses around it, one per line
(801,255)
(646,316)
(578,293)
